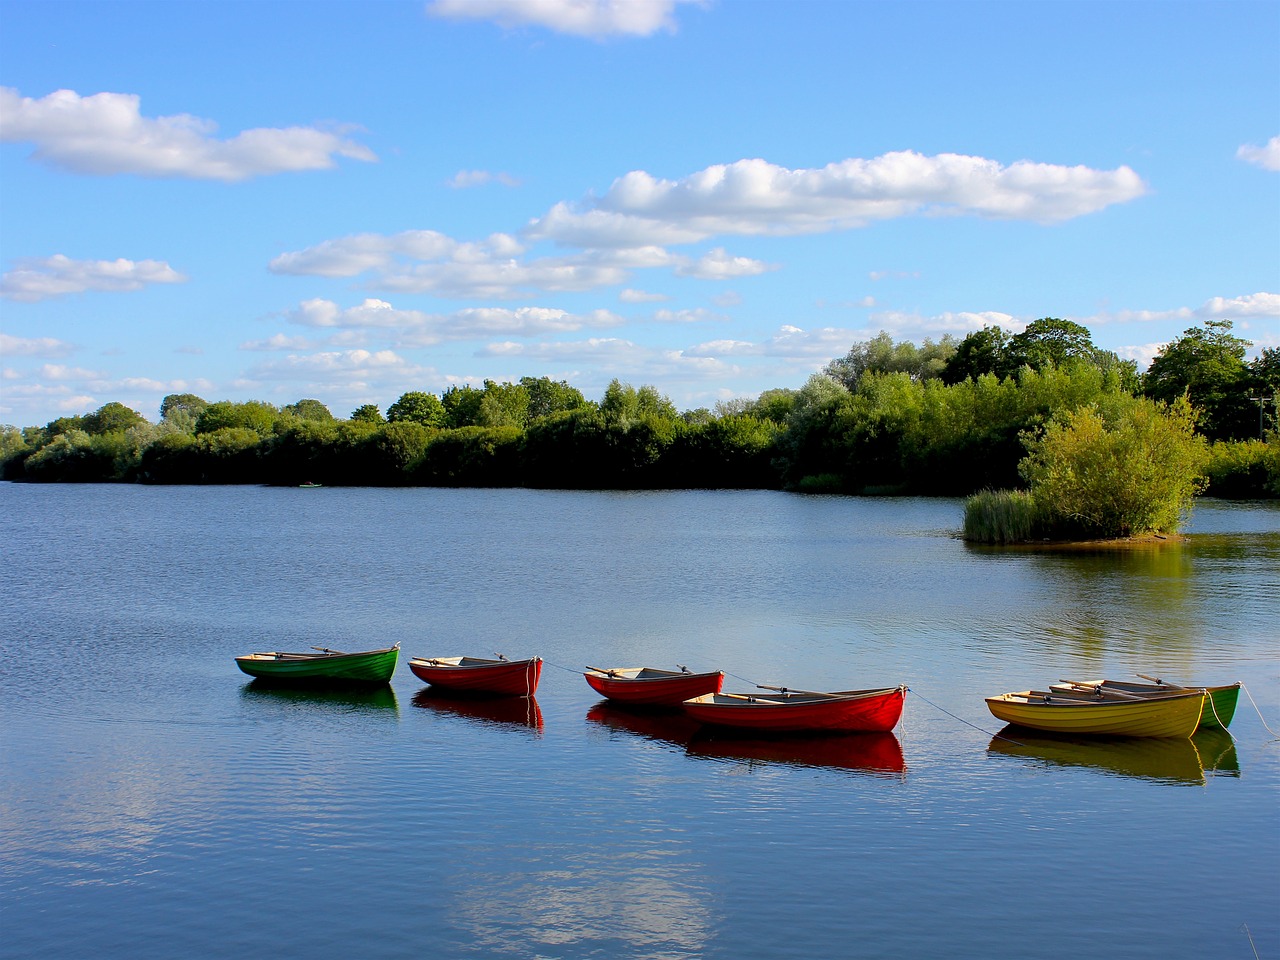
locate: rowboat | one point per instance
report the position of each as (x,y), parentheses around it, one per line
(324,665)
(797,711)
(1176,715)
(513,678)
(1218,711)
(649,685)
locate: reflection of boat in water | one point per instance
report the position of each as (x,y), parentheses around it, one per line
(668,724)
(1166,759)
(336,697)
(875,753)
(502,711)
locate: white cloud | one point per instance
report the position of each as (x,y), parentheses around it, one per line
(106,134)
(417,328)
(1249,306)
(56,276)
(754,197)
(349,367)
(695,315)
(1266,156)
(640,296)
(349,256)
(466,179)
(47,347)
(596,19)
(717,264)
(58,371)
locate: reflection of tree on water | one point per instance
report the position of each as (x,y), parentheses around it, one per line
(1158,603)
(1164,759)
(485,708)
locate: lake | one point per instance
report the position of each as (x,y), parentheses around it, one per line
(154,802)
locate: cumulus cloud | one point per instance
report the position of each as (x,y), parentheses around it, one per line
(696,315)
(596,19)
(1266,156)
(41,279)
(105,134)
(754,197)
(641,296)
(46,347)
(466,179)
(720,265)
(348,367)
(417,328)
(423,261)
(1251,306)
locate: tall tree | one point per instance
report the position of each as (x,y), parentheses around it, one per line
(417,407)
(1048,341)
(310,410)
(1207,364)
(981,352)
(112,418)
(881,355)
(368,413)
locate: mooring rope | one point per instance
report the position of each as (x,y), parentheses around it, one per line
(964,721)
(1274,735)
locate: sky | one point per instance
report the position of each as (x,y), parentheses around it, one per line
(348,201)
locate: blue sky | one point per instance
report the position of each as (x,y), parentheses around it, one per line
(348,201)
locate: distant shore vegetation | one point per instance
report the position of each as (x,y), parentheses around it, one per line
(1048,436)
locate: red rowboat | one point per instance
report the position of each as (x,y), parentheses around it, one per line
(649,685)
(515,678)
(792,711)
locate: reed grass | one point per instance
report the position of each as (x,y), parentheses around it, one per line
(1002,516)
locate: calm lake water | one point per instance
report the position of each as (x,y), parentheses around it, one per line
(156,803)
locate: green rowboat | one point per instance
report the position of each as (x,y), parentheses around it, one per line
(324,666)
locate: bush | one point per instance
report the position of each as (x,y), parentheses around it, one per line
(1243,469)
(1135,474)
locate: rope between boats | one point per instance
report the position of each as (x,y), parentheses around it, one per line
(1274,735)
(966,722)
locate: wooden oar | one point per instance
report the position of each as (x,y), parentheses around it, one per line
(607,673)
(1163,683)
(326,650)
(785,690)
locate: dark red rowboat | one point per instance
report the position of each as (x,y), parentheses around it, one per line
(649,685)
(515,678)
(790,711)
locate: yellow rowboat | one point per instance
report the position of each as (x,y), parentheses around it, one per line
(1176,715)
(1217,712)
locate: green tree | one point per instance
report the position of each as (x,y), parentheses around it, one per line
(981,352)
(462,406)
(1046,342)
(625,406)
(225,415)
(182,403)
(111,418)
(1207,364)
(310,410)
(503,405)
(1133,474)
(368,413)
(417,407)
(547,397)
(881,355)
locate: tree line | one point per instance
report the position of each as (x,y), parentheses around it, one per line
(946,418)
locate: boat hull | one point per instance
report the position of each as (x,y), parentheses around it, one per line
(370,666)
(1168,716)
(1218,711)
(511,678)
(649,687)
(846,711)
